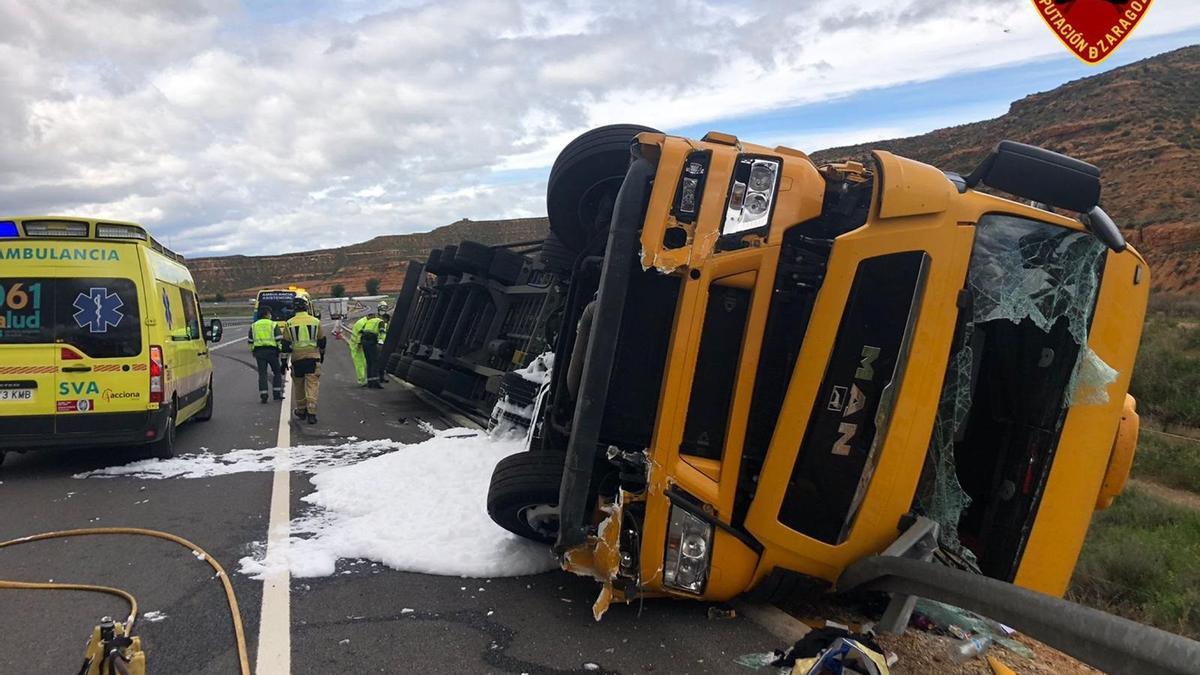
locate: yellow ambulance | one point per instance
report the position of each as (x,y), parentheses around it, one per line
(281,302)
(101,339)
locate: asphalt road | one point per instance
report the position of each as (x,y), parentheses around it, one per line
(349,622)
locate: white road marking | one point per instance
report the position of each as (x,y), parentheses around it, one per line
(223,345)
(275,619)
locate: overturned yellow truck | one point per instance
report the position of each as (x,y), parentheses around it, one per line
(766,369)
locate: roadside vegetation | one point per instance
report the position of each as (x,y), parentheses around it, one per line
(1166,380)
(1141,558)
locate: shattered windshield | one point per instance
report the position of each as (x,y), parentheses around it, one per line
(1021,272)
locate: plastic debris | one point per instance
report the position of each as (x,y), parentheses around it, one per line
(965,650)
(757,660)
(715,612)
(998,668)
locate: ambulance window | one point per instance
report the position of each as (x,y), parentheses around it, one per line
(26,310)
(99,317)
(190,314)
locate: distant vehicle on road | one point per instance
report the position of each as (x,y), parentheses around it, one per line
(102,342)
(336,308)
(281,300)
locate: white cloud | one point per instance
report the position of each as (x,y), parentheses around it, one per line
(227,130)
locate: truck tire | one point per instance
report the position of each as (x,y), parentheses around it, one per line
(433,264)
(556,257)
(589,168)
(206,412)
(459,384)
(523,495)
(392,362)
(447,263)
(428,376)
(402,367)
(506,266)
(164,447)
(518,390)
(471,256)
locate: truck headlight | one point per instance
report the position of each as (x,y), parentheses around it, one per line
(687,557)
(751,195)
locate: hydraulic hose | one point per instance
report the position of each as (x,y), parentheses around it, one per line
(234,612)
(51,586)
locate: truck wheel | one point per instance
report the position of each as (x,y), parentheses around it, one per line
(471,256)
(518,390)
(164,447)
(556,257)
(448,265)
(402,367)
(523,495)
(506,266)
(206,412)
(434,262)
(427,376)
(588,169)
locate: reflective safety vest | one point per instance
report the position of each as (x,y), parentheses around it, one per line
(264,331)
(371,330)
(303,328)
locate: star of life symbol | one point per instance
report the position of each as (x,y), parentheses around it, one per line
(98,310)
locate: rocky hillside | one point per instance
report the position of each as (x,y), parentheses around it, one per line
(1140,124)
(383,258)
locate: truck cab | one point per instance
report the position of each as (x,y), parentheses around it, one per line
(780,365)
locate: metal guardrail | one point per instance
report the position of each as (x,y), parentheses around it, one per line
(1110,643)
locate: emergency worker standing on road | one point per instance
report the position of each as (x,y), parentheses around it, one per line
(308,351)
(265,338)
(370,329)
(385,320)
(356,351)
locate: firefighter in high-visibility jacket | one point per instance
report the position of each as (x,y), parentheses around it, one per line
(368,331)
(308,351)
(356,350)
(266,338)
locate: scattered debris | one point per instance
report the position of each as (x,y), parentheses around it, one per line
(154,617)
(715,612)
(998,668)
(939,617)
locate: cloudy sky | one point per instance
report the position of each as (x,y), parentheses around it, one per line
(268,125)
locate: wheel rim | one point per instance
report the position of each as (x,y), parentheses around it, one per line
(541,518)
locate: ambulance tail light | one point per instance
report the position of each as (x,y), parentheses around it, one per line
(156,374)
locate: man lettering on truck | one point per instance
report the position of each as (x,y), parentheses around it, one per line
(308,351)
(265,337)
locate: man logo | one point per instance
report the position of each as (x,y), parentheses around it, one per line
(1092,29)
(837,399)
(848,429)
